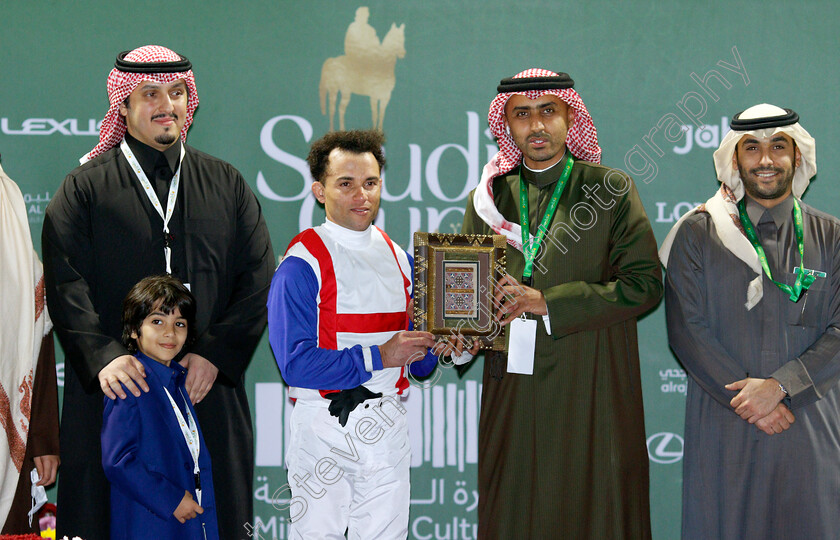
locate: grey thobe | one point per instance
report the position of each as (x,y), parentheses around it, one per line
(738,482)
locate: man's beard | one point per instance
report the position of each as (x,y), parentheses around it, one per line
(758,191)
(166,139)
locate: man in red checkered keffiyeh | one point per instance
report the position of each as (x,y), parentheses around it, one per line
(144,203)
(581,138)
(150,63)
(562,416)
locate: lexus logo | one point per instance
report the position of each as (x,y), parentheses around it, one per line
(665,447)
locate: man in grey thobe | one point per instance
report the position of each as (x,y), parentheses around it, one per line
(762,425)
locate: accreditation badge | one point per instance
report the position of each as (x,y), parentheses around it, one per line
(523,340)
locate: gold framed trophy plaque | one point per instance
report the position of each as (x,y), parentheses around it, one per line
(454,281)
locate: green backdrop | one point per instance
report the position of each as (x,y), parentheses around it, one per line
(661,81)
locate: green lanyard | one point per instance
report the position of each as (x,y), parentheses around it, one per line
(530,248)
(803,278)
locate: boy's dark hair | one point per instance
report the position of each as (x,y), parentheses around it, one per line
(144,297)
(357,142)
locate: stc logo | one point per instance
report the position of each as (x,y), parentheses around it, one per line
(665,447)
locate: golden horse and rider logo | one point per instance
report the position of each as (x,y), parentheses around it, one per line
(366,69)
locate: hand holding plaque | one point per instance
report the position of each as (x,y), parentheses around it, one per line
(405,347)
(513,299)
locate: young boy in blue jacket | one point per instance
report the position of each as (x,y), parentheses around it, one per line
(153,452)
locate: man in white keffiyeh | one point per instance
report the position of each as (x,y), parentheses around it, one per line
(722,206)
(585,268)
(752,295)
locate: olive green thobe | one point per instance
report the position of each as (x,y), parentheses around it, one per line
(562,452)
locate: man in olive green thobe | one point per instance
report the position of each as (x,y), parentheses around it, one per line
(562,450)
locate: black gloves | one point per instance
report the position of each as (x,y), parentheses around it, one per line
(346,401)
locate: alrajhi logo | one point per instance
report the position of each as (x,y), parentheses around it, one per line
(665,447)
(48,126)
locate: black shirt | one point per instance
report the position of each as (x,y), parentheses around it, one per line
(160,168)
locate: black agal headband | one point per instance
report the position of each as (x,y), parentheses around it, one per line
(523,84)
(749,124)
(151,67)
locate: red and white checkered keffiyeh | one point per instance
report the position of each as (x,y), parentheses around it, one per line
(581,140)
(120,86)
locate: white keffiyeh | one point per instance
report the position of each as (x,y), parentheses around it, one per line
(722,207)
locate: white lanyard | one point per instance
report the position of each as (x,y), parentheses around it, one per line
(190,432)
(150,193)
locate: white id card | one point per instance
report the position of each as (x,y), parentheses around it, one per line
(523,339)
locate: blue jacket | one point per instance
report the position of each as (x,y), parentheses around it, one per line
(149,465)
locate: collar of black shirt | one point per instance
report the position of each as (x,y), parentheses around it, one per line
(148,156)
